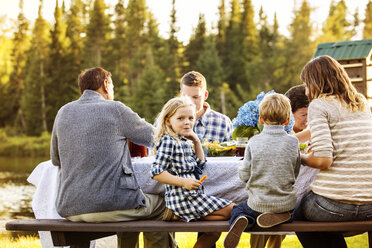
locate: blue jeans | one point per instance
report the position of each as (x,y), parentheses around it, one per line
(242,209)
(318,208)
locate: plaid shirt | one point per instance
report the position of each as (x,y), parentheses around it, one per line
(213,126)
(179,159)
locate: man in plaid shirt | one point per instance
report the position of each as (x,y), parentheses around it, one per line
(210,125)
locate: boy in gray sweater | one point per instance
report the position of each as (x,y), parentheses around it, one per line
(270,167)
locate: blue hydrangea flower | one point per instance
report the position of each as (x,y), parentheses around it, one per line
(289,127)
(248,114)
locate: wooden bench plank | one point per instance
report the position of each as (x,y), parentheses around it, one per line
(196,226)
(78,234)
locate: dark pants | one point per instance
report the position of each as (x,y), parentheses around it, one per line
(242,209)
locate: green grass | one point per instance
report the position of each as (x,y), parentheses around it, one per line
(20,242)
(24,146)
(184,240)
(187,240)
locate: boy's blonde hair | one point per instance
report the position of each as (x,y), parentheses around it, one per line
(324,77)
(275,109)
(168,110)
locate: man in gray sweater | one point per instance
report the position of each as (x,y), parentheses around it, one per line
(89,144)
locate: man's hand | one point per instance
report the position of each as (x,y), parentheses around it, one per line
(190,183)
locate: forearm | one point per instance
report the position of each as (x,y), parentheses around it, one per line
(199,149)
(303,136)
(322,163)
(167,178)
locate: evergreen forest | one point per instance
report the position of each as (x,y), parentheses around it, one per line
(40,60)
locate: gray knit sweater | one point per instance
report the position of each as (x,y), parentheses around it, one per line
(270,167)
(89,144)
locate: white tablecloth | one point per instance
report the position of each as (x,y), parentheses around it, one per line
(222,178)
(222,181)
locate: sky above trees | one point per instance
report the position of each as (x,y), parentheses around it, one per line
(188,12)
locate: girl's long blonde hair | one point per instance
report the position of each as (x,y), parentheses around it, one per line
(324,77)
(168,110)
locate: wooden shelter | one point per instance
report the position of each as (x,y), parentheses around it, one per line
(356,58)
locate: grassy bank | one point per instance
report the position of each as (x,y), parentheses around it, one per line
(186,240)
(24,146)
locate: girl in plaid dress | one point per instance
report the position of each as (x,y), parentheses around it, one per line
(178,166)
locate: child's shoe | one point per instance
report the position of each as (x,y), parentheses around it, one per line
(170,216)
(267,220)
(233,236)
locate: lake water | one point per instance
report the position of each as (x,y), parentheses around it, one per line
(15,192)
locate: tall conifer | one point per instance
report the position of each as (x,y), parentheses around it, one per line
(196,44)
(59,91)
(136,14)
(234,58)
(221,26)
(149,91)
(33,101)
(367,31)
(98,33)
(336,27)
(75,32)
(14,89)
(209,64)
(173,73)
(299,48)
(117,59)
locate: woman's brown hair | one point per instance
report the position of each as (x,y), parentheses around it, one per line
(324,77)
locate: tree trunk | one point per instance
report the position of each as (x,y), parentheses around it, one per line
(223,103)
(42,92)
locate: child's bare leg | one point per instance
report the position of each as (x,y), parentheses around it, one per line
(207,239)
(221,214)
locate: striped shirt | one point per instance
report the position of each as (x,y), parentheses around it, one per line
(347,138)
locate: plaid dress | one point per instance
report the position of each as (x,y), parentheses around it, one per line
(179,159)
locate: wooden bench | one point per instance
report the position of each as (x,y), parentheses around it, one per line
(78,235)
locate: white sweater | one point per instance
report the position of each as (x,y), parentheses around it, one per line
(347,138)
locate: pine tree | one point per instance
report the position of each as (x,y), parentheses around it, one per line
(336,26)
(116,59)
(367,31)
(355,25)
(136,14)
(221,26)
(299,49)
(33,101)
(160,56)
(98,33)
(74,32)
(249,31)
(173,46)
(148,90)
(269,43)
(209,64)
(234,57)
(59,91)
(14,89)
(196,44)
